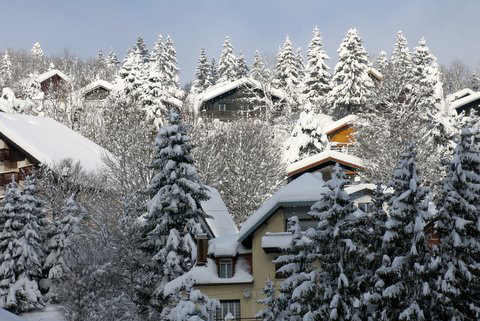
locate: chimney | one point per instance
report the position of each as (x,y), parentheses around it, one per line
(202,249)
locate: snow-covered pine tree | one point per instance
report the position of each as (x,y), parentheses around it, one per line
(21,244)
(173,211)
(131,75)
(192,304)
(6,73)
(271,310)
(213,72)
(295,266)
(242,68)
(307,137)
(317,76)
(405,276)
(457,225)
(141,50)
(286,68)
(401,61)
(381,63)
(299,64)
(202,73)
(227,66)
(37,52)
(351,85)
(258,71)
(171,69)
(63,231)
(154,92)
(338,242)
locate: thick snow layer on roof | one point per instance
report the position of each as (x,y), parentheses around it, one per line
(221,222)
(459,94)
(324,156)
(97,84)
(8,316)
(305,188)
(223,87)
(279,240)
(375,73)
(208,275)
(50,142)
(51,73)
(226,245)
(50,313)
(339,123)
(174,101)
(352,189)
(465,100)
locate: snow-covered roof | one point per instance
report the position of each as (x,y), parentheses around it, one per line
(304,189)
(221,222)
(223,87)
(325,156)
(50,142)
(97,84)
(174,101)
(339,124)
(375,73)
(352,189)
(208,274)
(465,100)
(279,240)
(48,74)
(8,316)
(459,94)
(226,245)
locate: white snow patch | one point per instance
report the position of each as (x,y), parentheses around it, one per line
(49,74)
(280,240)
(226,245)
(97,84)
(50,313)
(221,222)
(347,120)
(8,316)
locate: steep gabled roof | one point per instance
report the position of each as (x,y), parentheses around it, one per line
(375,73)
(465,100)
(49,74)
(342,122)
(303,190)
(221,222)
(97,84)
(324,157)
(50,142)
(459,94)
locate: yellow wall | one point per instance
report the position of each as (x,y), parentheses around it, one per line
(263,268)
(343,135)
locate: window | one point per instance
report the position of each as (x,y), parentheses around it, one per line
(232,306)
(226,268)
(365,207)
(222,107)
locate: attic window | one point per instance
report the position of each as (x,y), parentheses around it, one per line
(222,107)
(365,207)
(225,268)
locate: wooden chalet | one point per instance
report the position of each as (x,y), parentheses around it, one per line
(97,91)
(464,101)
(232,99)
(27,141)
(53,81)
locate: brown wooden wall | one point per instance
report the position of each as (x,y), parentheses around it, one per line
(344,135)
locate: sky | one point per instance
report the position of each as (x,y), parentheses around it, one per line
(83,27)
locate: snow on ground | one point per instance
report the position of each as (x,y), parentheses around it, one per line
(50,313)
(7,316)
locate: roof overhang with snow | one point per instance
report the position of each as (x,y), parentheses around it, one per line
(49,74)
(324,158)
(342,122)
(97,84)
(459,94)
(374,73)
(50,142)
(467,101)
(220,222)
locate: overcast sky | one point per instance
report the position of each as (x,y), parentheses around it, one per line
(86,26)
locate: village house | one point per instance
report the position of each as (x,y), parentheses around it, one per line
(27,141)
(98,90)
(465,101)
(232,99)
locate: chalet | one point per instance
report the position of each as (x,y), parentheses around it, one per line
(26,141)
(231,99)
(464,101)
(234,267)
(96,91)
(375,75)
(53,81)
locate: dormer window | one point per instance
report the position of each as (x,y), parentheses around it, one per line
(225,268)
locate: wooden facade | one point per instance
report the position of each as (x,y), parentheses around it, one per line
(99,93)
(14,163)
(54,85)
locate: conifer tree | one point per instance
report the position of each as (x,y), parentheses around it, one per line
(299,64)
(37,52)
(307,137)
(6,73)
(405,276)
(242,68)
(317,76)
(258,71)
(112,60)
(202,73)
(401,60)
(132,74)
(286,69)
(213,72)
(381,63)
(21,248)
(153,94)
(457,226)
(171,69)
(141,50)
(227,66)
(351,85)
(271,309)
(173,211)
